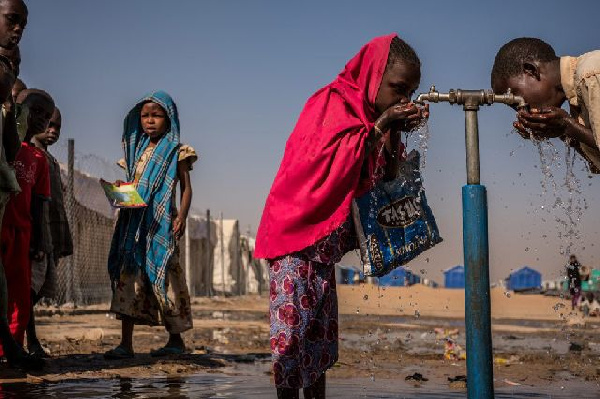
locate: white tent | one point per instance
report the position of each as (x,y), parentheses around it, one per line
(219,260)
(257,270)
(228,276)
(197,252)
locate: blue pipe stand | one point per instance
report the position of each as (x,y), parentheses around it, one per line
(480,384)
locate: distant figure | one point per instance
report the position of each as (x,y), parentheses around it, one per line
(58,240)
(574,280)
(594,305)
(585,303)
(148,283)
(22,232)
(530,68)
(346,139)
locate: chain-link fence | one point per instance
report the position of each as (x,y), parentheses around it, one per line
(217,259)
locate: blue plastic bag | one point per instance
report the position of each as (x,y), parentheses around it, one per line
(394,222)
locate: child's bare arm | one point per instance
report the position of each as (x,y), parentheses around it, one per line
(183,174)
(580,133)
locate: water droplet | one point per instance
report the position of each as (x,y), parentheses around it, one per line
(507,294)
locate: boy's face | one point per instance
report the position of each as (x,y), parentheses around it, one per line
(13,19)
(40,113)
(154,120)
(52,133)
(399,83)
(534,85)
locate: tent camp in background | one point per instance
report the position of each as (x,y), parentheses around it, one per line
(524,279)
(454,277)
(399,277)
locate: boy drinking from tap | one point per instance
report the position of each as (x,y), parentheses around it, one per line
(530,68)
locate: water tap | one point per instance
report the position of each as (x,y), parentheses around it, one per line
(472,98)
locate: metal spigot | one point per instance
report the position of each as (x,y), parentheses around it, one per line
(470,98)
(510,99)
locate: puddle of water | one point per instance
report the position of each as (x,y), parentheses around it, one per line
(232,315)
(223,386)
(419,342)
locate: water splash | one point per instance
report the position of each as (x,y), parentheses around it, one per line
(562,197)
(422,136)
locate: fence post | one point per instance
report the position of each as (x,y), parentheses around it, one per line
(238,261)
(222,256)
(69,294)
(207,273)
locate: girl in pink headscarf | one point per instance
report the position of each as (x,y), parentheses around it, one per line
(346,139)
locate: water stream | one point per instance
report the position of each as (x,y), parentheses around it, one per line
(562,197)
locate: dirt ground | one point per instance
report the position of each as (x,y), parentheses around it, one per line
(384,334)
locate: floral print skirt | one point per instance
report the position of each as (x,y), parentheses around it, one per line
(304,320)
(134,297)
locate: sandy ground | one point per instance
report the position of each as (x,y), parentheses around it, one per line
(384,334)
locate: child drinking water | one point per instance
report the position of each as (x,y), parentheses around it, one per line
(333,155)
(148,283)
(530,68)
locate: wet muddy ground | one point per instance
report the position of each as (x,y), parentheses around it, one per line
(229,346)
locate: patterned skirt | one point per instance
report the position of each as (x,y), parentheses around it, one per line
(135,298)
(304,310)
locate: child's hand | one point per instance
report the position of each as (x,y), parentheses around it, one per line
(117,183)
(399,112)
(415,121)
(178,227)
(547,122)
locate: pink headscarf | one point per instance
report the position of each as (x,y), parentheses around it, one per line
(320,171)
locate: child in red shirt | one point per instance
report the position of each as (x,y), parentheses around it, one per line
(21,227)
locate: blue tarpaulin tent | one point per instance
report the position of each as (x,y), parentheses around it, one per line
(399,277)
(524,279)
(454,277)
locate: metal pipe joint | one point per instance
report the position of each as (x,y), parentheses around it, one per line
(470,99)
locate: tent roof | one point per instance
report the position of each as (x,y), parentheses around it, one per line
(457,267)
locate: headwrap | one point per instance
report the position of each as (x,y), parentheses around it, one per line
(321,167)
(143,238)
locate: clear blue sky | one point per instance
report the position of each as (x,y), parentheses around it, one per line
(241,71)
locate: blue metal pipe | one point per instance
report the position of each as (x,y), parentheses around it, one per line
(480,384)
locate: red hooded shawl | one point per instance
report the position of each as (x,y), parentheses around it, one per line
(320,171)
